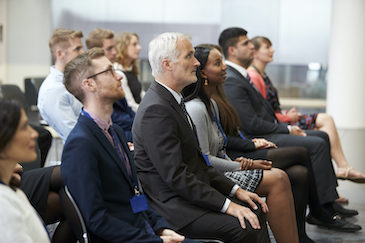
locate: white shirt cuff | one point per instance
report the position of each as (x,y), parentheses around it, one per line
(234,189)
(289,128)
(225,206)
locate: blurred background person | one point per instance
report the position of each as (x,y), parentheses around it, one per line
(19,221)
(128,49)
(263,55)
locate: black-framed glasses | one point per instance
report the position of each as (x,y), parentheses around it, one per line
(110,69)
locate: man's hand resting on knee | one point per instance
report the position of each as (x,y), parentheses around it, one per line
(242,212)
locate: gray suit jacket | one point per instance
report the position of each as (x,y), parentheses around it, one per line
(173,173)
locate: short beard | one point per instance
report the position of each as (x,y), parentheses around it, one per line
(246,62)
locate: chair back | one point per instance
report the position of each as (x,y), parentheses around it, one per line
(73,216)
(12,91)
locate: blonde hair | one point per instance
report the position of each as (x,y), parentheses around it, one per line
(123,40)
(96,37)
(61,39)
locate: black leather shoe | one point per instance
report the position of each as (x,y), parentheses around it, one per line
(343,212)
(336,223)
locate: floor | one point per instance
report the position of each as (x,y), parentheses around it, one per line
(353,142)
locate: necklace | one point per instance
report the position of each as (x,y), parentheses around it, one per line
(263,75)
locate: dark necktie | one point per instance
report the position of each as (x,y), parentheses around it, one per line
(119,149)
(183,108)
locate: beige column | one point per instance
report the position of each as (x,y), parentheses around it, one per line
(346,67)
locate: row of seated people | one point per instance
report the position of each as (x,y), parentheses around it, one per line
(183,168)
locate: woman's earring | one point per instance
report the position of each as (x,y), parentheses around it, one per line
(205,82)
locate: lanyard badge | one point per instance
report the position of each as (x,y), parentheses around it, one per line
(138,202)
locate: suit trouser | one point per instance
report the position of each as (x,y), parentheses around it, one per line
(224,227)
(318,146)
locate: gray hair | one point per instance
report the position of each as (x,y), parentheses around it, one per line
(164,47)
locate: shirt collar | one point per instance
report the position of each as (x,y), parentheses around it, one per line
(239,68)
(178,97)
(56,72)
(100,122)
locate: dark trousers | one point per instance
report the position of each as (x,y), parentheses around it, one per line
(318,146)
(227,228)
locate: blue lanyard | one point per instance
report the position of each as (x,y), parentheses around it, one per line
(241,135)
(220,127)
(1,182)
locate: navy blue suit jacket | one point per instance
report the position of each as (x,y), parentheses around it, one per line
(100,185)
(123,116)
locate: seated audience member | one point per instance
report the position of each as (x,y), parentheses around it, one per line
(42,186)
(102,38)
(258,119)
(254,176)
(128,48)
(263,55)
(122,115)
(195,198)
(213,141)
(97,166)
(19,221)
(56,105)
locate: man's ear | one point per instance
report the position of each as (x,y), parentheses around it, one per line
(59,53)
(88,84)
(231,51)
(167,64)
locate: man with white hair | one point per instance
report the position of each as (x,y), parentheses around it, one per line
(191,195)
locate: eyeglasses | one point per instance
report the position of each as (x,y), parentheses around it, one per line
(110,69)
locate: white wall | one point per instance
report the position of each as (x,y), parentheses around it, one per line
(3,21)
(28,30)
(299,29)
(141,11)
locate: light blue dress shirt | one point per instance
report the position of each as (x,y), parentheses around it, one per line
(57,106)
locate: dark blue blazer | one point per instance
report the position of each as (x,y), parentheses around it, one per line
(123,116)
(100,185)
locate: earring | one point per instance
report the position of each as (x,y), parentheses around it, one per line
(206,82)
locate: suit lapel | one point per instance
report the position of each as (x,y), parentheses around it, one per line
(266,105)
(165,94)
(103,140)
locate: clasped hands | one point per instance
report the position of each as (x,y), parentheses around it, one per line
(293,114)
(261,143)
(250,164)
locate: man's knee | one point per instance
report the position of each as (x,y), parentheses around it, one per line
(319,134)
